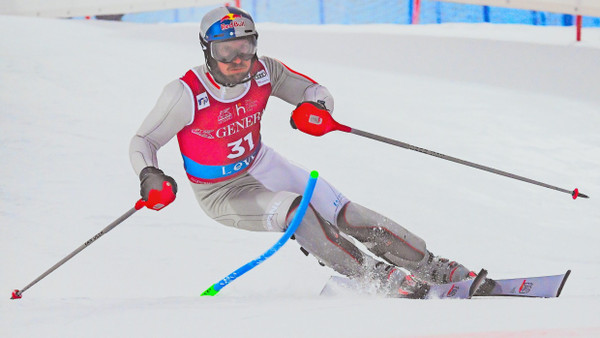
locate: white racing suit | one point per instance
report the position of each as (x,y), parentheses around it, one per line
(241,182)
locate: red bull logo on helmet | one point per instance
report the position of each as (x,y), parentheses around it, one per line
(230,17)
(229,21)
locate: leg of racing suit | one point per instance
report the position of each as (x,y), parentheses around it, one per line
(324,241)
(392,242)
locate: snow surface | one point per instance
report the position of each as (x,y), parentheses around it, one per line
(519,98)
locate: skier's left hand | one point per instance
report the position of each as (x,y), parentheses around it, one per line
(309,116)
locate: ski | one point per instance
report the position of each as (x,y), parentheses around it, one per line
(459,290)
(542,287)
(342,286)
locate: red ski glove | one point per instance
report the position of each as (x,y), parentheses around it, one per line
(312,118)
(157,189)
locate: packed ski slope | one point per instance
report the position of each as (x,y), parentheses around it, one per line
(519,98)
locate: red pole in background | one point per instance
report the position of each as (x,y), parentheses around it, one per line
(237,4)
(578,24)
(416,11)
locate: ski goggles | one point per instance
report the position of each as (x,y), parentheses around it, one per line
(228,51)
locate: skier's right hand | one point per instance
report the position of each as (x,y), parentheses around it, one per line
(157,189)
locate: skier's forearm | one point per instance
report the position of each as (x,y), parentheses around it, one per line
(320,94)
(142,154)
(172,112)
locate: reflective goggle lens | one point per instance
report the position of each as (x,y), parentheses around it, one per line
(228,51)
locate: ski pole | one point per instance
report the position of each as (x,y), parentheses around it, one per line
(17,294)
(308,191)
(318,122)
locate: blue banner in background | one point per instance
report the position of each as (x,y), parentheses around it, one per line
(348,12)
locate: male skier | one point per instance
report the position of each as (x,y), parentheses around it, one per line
(215,110)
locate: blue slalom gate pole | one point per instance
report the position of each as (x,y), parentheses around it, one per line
(308,191)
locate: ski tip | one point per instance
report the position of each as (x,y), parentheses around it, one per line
(562,284)
(16,294)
